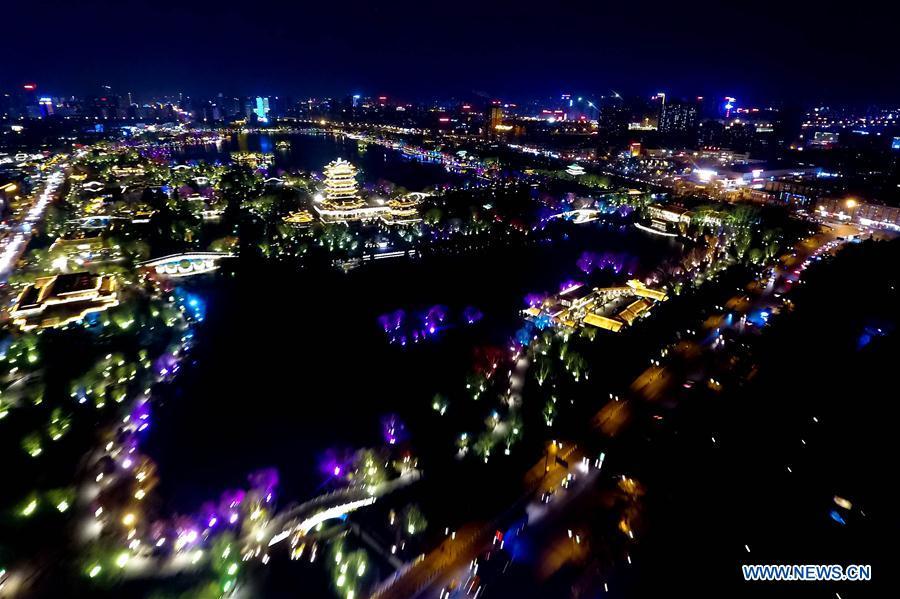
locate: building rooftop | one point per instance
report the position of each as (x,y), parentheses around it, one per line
(604,307)
(60,299)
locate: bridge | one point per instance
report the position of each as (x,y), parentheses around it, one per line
(419,195)
(579,216)
(307,516)
(186,264)
(294,522)
(95,222)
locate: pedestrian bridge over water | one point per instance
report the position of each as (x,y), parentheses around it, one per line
(186,264)
(579,216)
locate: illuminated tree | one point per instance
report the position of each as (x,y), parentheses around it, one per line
(59,424)
(484,445)
(741,242)
(439,403)
(368,467)
(414,521)
(433,216)
(31,444)
(550,411)
(544,369)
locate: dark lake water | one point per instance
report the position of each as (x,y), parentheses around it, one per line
(308,152)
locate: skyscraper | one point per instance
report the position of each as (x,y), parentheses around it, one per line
(46,106)
(262,109)
(678,117)
(494,117)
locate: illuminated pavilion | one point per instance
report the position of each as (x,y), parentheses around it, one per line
(341,188)
(342,202)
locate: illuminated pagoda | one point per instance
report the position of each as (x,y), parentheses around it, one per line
(341,188)
(342,202)
(575,169)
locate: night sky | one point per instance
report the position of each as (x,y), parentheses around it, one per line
(415,50)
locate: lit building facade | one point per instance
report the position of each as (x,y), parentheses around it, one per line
(610,308)
(299,218)
(341,187)
(58,300)
(342,202)
(494,118)
(870,215)
(261,109)
(678,117)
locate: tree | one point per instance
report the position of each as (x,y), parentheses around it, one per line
(433,216)
(484,445)
(550,411)
(369,467)
(414,520)
(742,215)
(741,243)
(228,243)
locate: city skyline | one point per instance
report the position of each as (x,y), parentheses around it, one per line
(417,51)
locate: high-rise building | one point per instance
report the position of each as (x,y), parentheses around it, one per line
(678,117)
(46,106)
(261,109)
(614,116)
(494,117)
(728,106)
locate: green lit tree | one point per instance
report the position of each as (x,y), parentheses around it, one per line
(414,521)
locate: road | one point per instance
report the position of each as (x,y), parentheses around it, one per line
(16,242)
(435,570)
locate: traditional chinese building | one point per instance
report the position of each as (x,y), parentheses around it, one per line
(61,299)
(341,187)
